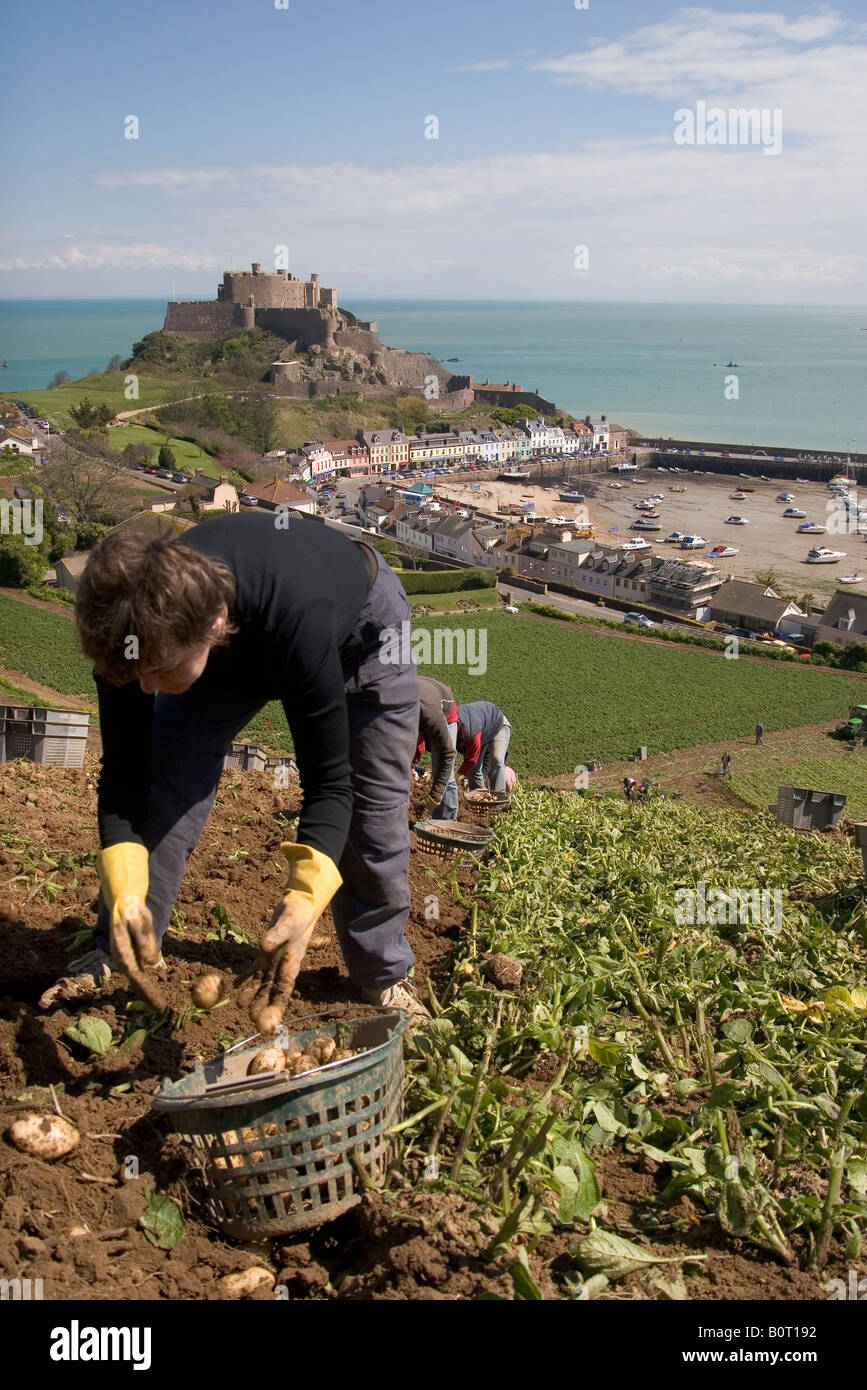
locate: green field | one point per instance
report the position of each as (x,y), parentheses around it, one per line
(43,646)
(570,695)
(188,457)
(106,388)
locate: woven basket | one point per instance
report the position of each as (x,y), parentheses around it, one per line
(448,838)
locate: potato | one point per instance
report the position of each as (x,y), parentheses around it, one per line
(208,990)
(321,1048)
(44,1136)
(267,1059)
(244,1281)
(342,1054)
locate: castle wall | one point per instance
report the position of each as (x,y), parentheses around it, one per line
(266,291)
(304,326)
(513,398)
(200,318)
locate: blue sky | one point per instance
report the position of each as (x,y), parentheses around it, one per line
(260,127)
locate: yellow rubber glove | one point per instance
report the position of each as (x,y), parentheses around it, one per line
(430,804)
(313,880)
(123,877)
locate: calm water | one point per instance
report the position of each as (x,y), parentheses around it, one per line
(802,373)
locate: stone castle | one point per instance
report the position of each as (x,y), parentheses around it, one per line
(344,353)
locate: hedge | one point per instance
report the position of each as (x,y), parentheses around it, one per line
(446,581)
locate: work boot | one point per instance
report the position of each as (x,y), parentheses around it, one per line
(82,975)
(397,997)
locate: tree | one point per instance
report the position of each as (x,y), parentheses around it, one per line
(58,379)
(89,416)
(21,565)
(138,453)
(767,577)
(115,363)
(166,458)
(89,486)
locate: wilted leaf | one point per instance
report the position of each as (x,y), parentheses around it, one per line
(162,1221)
(856,1176)
(605,1253)
(90,1032)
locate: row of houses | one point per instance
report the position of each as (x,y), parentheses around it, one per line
(387,450)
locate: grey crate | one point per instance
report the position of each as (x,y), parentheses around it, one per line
(247,756)
(55,737)
(806,809)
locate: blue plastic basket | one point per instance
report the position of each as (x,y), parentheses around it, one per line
(281,1154)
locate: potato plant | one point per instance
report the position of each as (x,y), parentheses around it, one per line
(729,1055)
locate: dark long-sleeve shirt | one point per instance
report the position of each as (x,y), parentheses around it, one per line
(478,723)
(437,710)
(299,590)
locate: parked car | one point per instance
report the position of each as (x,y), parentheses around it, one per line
(180,478)
(164,473)
(249,499)
(639,619)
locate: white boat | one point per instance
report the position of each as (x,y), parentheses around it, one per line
(638,543)
(737,521)
(513,476)
(811,528)
(721,552)
(693,543)
(737,496)
(821,555)
(850,579)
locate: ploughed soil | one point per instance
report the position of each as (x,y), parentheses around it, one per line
(74,1223)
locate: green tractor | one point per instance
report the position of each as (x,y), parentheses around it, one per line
(855,726)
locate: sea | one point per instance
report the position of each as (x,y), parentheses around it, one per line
(799,376)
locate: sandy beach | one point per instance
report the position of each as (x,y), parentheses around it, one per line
(768,541)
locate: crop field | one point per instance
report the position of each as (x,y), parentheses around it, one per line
(727,1053)
(43,646)
(572,695)
(569,695)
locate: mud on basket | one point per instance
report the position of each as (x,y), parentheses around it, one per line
(279,1153)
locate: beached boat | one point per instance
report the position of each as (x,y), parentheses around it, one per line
(513,476)
(821,555)
(569,495)
(850,579)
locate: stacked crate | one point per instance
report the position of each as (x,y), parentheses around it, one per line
(55,737)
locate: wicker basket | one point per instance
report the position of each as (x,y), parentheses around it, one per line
(486,810)
(281,1154)
(448,838)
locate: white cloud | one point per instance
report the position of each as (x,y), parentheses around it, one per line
(114,255)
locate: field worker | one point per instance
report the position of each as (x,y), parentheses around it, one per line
(760,732)
(483,739)
(437,733)
(190,636)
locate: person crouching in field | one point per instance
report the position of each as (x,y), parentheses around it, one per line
(483,738)
(190,636)
(437,733)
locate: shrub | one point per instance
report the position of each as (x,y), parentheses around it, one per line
(446,581)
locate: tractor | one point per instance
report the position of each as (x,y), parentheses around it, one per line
(855,726)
